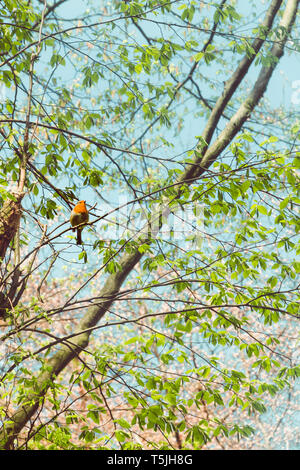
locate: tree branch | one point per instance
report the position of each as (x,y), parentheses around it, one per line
(111,287)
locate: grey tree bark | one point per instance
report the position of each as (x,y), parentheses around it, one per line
(71,347)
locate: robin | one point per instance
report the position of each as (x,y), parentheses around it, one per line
(79,215)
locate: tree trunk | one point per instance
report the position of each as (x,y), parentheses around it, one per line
(73,344)
(10,215)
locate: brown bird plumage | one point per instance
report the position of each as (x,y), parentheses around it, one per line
(79,215)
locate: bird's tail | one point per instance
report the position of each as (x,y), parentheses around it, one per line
(79,239)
